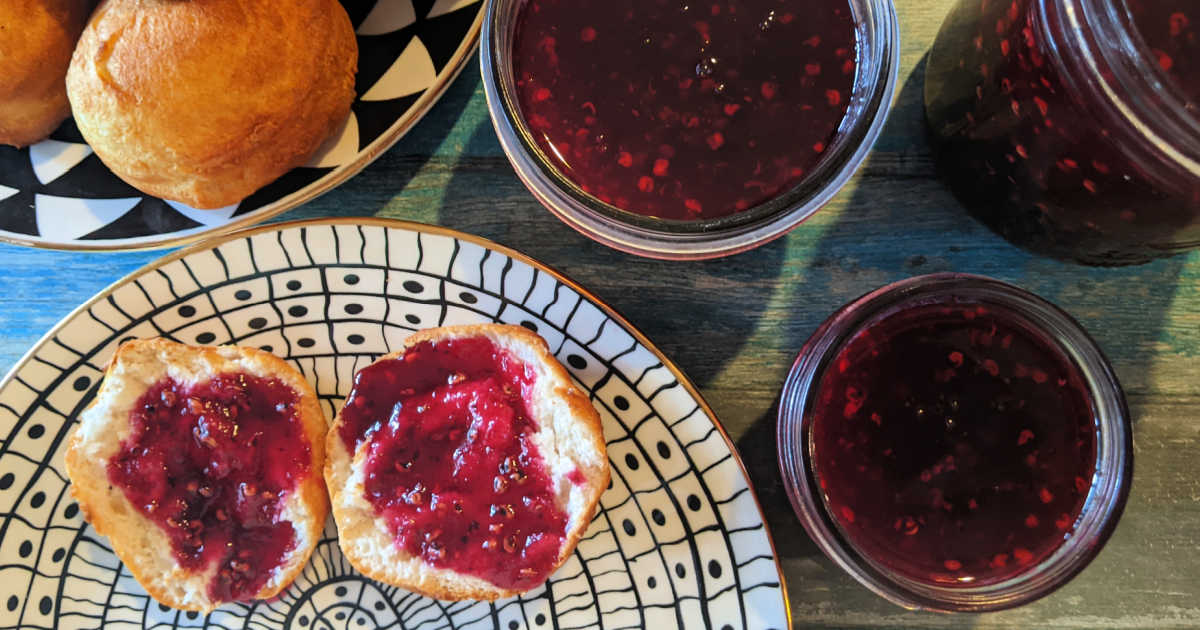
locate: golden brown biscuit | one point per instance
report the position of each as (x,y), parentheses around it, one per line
(206,101)
(36,41)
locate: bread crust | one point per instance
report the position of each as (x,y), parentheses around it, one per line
(206,101)
(37,38)
(588,455)
(138,364)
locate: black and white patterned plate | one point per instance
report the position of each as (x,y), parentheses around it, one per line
(58,194)
(679,540)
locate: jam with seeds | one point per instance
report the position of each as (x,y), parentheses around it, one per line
(450,463)
(1171,30)
(684,110)
(952,444)
(1033,148)
(210,463)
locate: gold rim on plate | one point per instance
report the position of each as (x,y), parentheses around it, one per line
(413,226)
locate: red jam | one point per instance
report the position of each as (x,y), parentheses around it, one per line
(450,464)
(1171,30)
(209,464)
(1029,154)
(684,110)
(952,444)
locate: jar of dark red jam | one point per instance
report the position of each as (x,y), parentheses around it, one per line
(1072,127)
(955,443)
(688,130)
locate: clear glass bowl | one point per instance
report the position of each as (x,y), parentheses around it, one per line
(1102,506)
(874,84)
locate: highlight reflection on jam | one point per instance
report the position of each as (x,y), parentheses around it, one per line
(1030,156)
(209,463)
(684,110)
(450,464)
(953,445)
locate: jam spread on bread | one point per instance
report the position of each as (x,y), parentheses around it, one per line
(209,463)
(450,464)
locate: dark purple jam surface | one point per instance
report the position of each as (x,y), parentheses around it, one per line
(952,445)
(1170,29)
(684,110)
(209,463)
(1032,158)
(451,466)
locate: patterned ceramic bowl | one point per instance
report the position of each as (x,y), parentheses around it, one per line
(58,194)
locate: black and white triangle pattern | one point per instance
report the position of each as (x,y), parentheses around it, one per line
(678,540)
(57,193)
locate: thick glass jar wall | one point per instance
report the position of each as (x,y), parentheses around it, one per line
(1037,154)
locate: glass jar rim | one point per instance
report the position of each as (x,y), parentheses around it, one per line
(1100,51)
(1114,447)
(878,33)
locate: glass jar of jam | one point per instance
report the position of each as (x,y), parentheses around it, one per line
(955,443)
(688,130)
(1072,127)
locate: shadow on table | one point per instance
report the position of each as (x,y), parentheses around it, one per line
(451,171)
(381,182)
(700,314)
(900,221)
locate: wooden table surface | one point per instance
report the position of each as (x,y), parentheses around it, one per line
(894,220)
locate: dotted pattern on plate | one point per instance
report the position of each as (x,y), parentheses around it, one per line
(678,541)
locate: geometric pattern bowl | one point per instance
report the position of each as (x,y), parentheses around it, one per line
(58,194)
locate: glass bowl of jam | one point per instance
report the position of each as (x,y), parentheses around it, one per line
(1072,127)
(955,443)
(686,130)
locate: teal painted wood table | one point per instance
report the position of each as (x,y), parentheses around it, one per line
(734,326)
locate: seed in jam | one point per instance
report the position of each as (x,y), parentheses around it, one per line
(1036,159)
(952,444)
(1171,30)
(450,463)
(209,463)
(684,111)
